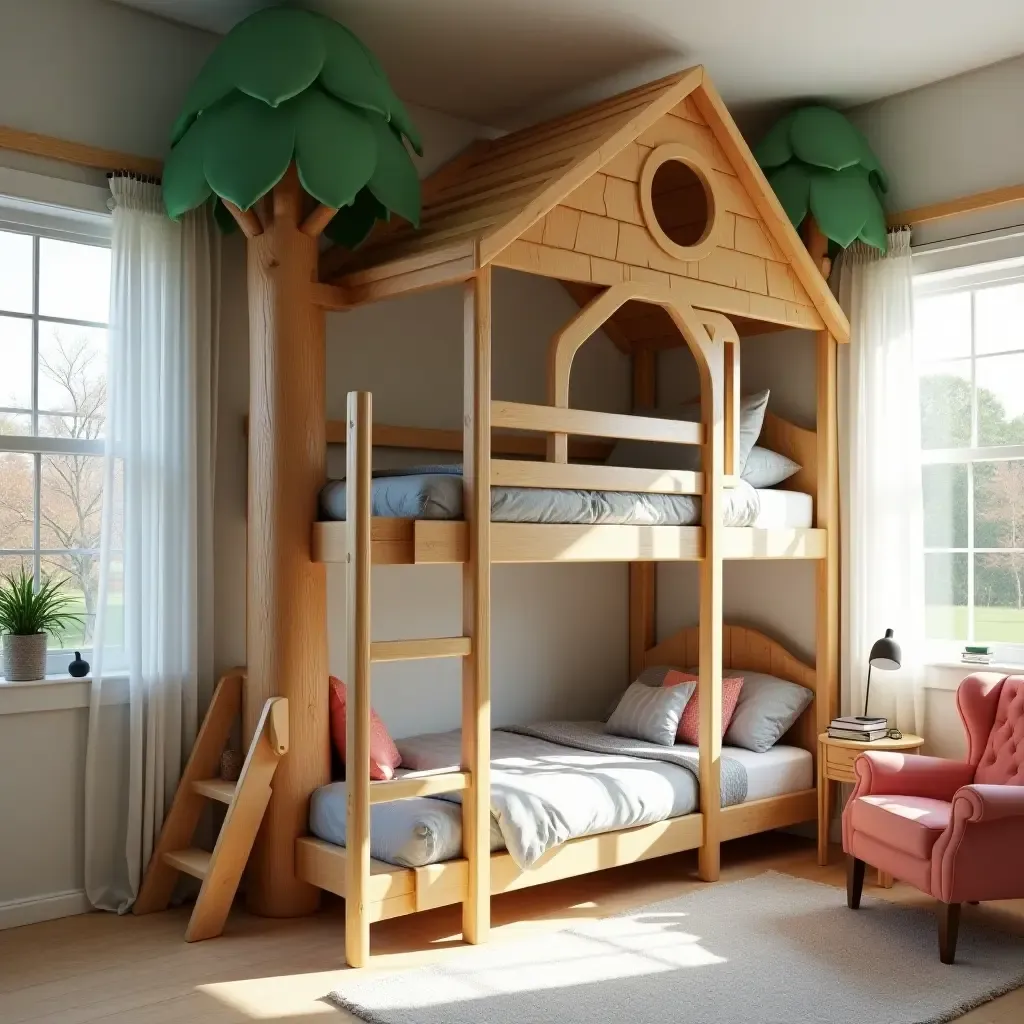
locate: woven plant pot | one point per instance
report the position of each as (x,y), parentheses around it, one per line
(24,657)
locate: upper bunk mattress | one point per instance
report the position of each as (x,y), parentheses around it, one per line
(553,782)
(435,492)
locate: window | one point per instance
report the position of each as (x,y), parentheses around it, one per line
(54,288)
(969,346)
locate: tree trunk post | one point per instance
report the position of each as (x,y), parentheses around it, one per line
(286,607)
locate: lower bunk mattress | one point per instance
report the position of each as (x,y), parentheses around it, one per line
(435,492)
(552,782)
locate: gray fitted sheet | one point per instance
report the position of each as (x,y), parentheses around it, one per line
(435,492)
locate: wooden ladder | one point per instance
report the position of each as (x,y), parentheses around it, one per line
(246,801)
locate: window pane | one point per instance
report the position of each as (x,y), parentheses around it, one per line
(17,499)
(81,583)
(15,363)
(74,280)
(942,326)
(71,501)
(999,504)
(15,423)
(999,598)
(12,564)
(999,318)
(72,379)
(1000,383)
(946,406)
(15,272)
(945,506)
(945,596)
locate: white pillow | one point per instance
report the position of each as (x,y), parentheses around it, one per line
(765,468)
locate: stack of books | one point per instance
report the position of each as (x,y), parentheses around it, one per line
(977,654)
(853,727)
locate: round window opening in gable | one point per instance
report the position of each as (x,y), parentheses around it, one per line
(678,202)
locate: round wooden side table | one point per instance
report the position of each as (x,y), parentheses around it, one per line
(835,765)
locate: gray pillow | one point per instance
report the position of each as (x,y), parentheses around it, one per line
(655,455)
(653,676)
(650,713)
(768,707)
(766,468)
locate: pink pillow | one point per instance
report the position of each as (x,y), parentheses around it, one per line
(689,722)
(384,756)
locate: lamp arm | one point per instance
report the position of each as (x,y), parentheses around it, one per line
(867,691)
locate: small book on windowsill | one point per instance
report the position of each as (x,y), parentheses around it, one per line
(858,735)
(855,723)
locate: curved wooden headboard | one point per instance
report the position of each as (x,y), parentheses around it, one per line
(744,648)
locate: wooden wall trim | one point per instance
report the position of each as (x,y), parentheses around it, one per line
(974,203)
(78,153)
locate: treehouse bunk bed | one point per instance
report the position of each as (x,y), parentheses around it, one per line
(655,260)
(650,209)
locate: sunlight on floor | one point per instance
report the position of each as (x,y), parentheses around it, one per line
(292,995)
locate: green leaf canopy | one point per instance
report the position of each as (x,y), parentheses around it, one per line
(288,84)
(818,162)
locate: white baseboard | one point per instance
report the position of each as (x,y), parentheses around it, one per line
(15,913)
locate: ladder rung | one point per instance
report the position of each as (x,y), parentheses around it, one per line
(215,789)
(424,785)
(192,861)
(405,650)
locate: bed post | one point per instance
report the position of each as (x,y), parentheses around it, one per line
(359,458)
(286,607)
(827,518)
(710,629)
(708,348)
(476,605)
(642,575)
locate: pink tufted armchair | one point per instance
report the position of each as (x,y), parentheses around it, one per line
(953,829)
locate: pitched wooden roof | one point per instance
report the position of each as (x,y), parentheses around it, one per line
(487,197)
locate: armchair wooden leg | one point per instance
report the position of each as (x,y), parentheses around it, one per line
(854,881)
(949,926)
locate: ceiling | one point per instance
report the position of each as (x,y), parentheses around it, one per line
(508,62)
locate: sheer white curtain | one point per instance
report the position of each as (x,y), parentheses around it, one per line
(880,481)
(156,582)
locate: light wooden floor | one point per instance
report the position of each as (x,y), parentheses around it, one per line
(139,971)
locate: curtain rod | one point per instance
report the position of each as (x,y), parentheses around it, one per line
(975,203)
(76,152)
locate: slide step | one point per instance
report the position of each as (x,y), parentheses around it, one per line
(192,861)
(215,789)
(407,650)
(423,785)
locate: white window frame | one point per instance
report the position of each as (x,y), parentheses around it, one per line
(44,207)
(973,276)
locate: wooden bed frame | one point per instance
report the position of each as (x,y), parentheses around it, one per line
(577,200)
(396,891)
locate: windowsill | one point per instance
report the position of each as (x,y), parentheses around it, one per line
(1008,667)
(951,682)
(59,693)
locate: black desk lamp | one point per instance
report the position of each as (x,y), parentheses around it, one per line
(885,654)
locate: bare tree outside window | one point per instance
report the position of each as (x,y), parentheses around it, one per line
(53,407)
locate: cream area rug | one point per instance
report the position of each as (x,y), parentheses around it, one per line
(768,950)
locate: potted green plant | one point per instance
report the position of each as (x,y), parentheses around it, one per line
(27,617)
